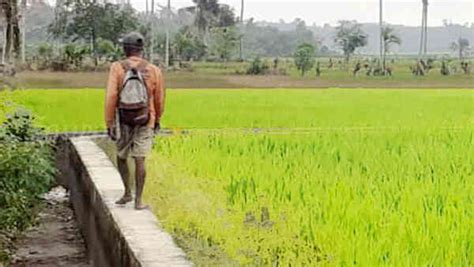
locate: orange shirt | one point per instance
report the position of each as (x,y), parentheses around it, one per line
(155,85)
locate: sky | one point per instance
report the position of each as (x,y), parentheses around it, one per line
(407,12)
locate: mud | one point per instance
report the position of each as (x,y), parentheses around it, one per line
(55,240)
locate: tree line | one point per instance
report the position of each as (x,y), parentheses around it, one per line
(208,30)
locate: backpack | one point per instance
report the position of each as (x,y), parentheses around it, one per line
(133,99)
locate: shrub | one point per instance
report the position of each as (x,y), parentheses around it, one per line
(258,67)
(26,171)
(304,57)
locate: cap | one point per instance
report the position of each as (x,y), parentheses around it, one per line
(133,39)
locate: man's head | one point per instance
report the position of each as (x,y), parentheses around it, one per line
(133,43)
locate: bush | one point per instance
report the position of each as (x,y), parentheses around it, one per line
(304,57)
(26,172)
(258,67)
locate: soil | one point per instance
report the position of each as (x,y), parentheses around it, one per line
(196,80)
(55,240)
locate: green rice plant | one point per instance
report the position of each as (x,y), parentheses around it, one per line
(330,177)
(82,109)
(398,198)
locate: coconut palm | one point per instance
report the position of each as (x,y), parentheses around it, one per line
(381,30)
(389,38)
(424,29)
(242,27)
(461,46)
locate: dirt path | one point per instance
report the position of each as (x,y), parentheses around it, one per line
(197,80)
(55,241)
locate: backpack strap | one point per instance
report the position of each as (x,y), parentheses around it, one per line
(125,65)
(142,65)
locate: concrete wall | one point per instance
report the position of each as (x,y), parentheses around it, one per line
(114,235)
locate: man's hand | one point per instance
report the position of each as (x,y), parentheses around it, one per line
(111,132)
(157,127)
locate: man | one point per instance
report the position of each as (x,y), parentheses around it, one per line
(133,140)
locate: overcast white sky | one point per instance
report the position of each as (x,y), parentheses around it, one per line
(406,12)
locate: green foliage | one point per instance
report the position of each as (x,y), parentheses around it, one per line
(74,53)
(188,45)
(45,51)
(461,46)
(26,171)
(304,58)
(444,68)
(209,14)
(19,127)
(56,110)
(390,37)
(350,37)
(257,67)
(224,42)
(289,199)
(108,50)
(269,41)
(371,167)
(88,20)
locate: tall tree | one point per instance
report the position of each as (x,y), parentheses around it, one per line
(209,13)
(87,21)
(224,42)
(389,38)
(304,57)
(349,37)
(167,44)
(382,52)
(241,48)
(206,13)
(3,28)
(425,45)
(12,31)
(23,31)
(461,46)
(424,29)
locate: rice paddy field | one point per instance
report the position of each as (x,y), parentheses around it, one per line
(304,177)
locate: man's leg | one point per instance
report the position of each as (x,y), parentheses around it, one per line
(125,174)
(140,174)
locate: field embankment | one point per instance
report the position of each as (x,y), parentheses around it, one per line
(231,75)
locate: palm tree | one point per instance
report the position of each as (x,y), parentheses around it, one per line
(381,31)
(425,46)
(460,46)
(424,29)
(389,38)
(167,44)
(241,51)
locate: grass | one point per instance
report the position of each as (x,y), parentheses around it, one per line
(229,75)
(82,110)
(351,177)
(380,178)
(400,198)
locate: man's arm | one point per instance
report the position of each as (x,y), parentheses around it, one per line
(111,96)
(159,96)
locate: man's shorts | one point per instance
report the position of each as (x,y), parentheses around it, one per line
(134,141)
